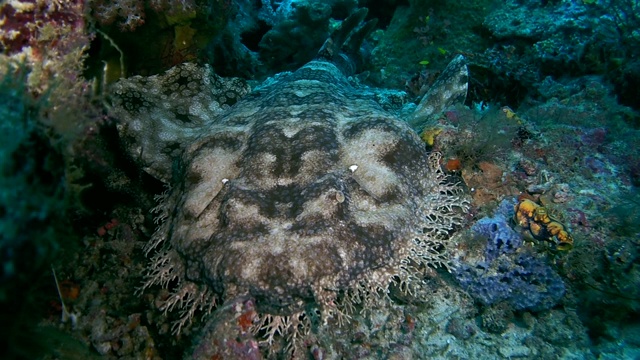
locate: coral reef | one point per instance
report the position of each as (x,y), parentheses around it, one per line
(544,121)
(430,33)
(150,36)
(46,107)
(294,40)
(50,40)
(32,208)
(537,39)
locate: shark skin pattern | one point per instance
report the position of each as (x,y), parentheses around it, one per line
(304,195)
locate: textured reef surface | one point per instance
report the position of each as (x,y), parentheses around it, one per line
(297,179)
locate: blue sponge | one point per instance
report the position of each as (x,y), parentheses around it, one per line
(507,274)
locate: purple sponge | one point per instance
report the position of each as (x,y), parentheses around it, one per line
(506,274)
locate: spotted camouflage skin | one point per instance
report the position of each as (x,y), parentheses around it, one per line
(299,191)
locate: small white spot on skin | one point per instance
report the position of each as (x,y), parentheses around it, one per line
(353,168)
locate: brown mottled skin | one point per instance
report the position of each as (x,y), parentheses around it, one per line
(299,190)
